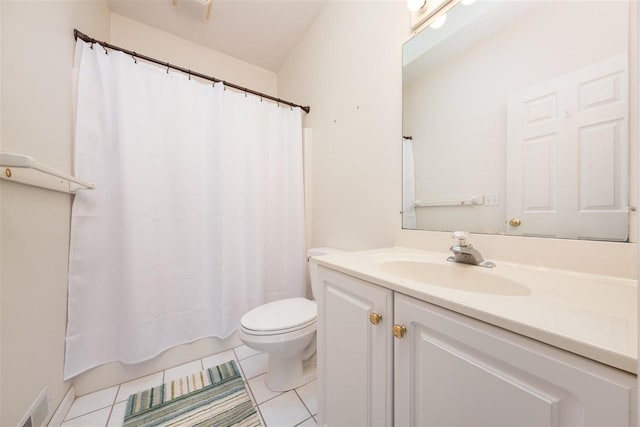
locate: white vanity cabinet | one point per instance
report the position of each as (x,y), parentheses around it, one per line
(453,370)
(355,355)
(449,369)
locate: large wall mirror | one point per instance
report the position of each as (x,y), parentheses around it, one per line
(518,114)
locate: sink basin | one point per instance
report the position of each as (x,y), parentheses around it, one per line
(462,277)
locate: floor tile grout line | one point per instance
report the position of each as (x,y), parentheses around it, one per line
(244,375)
(280,393)
(134,379)
(236,354)
(113,405)
(310,380)
(86,413)
(92,411)
(255,376)
(109,416)
(303,402)
(60,404)
(246,357)
(264,423)
(251,393)
(177,366)
(304,421)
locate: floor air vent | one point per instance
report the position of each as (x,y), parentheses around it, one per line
(37,414)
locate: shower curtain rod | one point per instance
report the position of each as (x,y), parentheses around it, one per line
(79,35)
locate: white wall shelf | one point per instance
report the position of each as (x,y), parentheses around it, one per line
(24,169)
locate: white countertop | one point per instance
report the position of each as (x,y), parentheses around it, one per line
(592,315)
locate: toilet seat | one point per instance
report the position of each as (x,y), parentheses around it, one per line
(280,317)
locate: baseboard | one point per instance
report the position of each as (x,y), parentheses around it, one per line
(63,408)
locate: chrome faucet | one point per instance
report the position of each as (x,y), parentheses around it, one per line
(465,253)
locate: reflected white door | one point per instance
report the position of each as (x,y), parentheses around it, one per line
(567,155)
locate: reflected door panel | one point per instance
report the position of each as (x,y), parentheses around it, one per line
(567,141)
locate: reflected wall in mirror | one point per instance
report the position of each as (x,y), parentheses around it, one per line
(518,113)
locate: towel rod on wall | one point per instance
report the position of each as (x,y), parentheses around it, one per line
(458,201)
(17,168)
(78,35)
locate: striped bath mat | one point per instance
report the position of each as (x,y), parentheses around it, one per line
(215,397)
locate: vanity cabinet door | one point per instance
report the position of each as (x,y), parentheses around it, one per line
(456,371)
(355,360)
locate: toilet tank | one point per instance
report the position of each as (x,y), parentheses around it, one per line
(313,252)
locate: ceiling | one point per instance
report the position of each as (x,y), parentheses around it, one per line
(261,32)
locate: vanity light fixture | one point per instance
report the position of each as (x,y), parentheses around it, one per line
(439,22)
(427,10)
(416,5)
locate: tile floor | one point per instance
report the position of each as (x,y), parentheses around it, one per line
(105,408)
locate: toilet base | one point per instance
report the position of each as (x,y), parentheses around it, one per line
(287,373)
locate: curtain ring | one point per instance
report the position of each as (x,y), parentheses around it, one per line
(105,50)
(134,57)
(189,74)
(245,93)
(214,84)
(91,46)
(168,67)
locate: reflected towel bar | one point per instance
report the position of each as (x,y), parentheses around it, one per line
(460,201)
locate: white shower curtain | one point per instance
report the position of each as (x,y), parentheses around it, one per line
(196,218)
(408,186)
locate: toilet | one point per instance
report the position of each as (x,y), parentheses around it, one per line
(286,331)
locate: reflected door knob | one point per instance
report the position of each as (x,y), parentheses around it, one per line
(514,222)
(399,331)
(375,318)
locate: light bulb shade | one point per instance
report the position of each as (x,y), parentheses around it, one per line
(415,5)
(439,22)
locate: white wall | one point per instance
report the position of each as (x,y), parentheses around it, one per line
(158,44)
(37,58)
(457,111)
(1,224)
(348,69)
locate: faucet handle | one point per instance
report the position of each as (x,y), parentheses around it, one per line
(462,238)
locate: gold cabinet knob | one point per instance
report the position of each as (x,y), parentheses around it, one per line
(514,222)
(375,318)
(399,331)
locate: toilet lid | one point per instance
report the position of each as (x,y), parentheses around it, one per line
(280,315)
